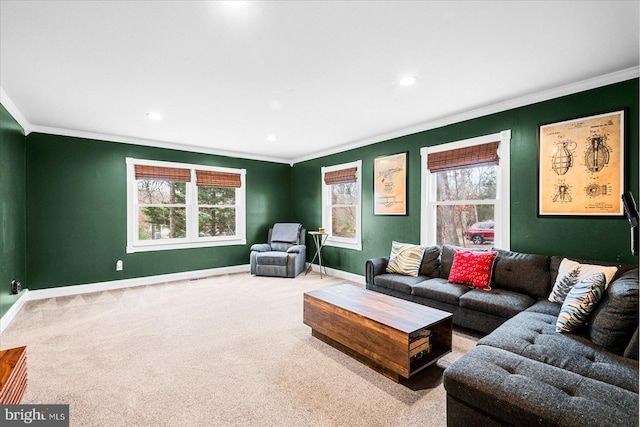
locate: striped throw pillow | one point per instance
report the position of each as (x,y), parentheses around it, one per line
(580,302)
(405,259)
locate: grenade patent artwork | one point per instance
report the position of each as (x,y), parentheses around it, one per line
(562,158)
(595,190)
(597,154)
(562,194)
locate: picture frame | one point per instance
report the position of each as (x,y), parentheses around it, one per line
(581,166)
(390,184)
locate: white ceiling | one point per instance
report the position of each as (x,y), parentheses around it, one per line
(321,76)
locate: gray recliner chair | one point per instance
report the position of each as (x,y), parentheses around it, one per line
(284,256)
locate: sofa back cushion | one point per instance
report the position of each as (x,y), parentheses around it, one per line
(446,260)
(615,319)
(430,262)
(524,273)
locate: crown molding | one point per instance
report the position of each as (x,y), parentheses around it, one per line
(153,143)
(13,110)
(569,89)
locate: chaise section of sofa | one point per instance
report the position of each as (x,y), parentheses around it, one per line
(526,374)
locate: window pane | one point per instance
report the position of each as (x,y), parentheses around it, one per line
(344,194)
(161,192)
(216,195)
(162,223)
(465,225)
(477,183)
(216,222)
(343,222)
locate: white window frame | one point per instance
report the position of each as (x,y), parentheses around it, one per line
(192,240)
(341,242)
(502,216)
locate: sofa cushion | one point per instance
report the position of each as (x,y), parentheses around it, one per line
(545,307)
(446,260)
(472,268)
(272,258)
(615,319)
(580,302)
(527,392)
(439,289)
(497,302)
(571,272)
(525,273)
(397,282)
(430,262)
(533,335)
(632,349)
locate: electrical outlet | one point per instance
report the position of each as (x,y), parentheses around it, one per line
(119,265)
(16,287)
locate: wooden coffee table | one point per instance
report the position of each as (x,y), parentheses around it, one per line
(395,337)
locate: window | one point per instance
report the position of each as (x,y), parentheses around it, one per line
(173,206)
(465,192)
(341,205)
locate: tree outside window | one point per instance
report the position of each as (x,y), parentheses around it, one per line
(162,212)
(465,197)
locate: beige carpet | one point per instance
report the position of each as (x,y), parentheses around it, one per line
(221,351)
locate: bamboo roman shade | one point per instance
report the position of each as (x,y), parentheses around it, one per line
(341,176)
(477,155)
(162,173)
(218,179)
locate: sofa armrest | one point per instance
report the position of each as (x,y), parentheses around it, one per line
(260,247)
(375,267)
(296,249)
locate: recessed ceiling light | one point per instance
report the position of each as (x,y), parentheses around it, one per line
(234,4)
(271,138)
(154,116)
(407,81)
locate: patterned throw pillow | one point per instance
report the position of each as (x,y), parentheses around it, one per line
(580,302)
(405,259)
(472,268)
(571,272)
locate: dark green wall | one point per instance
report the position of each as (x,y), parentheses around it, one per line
(604,239)
(66,223)
(12,208)
(76,211)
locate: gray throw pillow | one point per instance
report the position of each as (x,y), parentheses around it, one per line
(430,262)
(615,320)
(446,260)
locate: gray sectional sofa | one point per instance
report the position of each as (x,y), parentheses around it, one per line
(524,373)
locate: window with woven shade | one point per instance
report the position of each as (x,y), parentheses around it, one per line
(217,202)
(175,205)
(465,192)
(341,204)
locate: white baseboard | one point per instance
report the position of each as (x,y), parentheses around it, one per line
(341,274)
(63,291)
(13,311)
(129,283)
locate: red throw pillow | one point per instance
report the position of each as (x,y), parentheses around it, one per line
(472,268)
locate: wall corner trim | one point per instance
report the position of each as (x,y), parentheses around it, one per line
(13,311)
(13,110)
